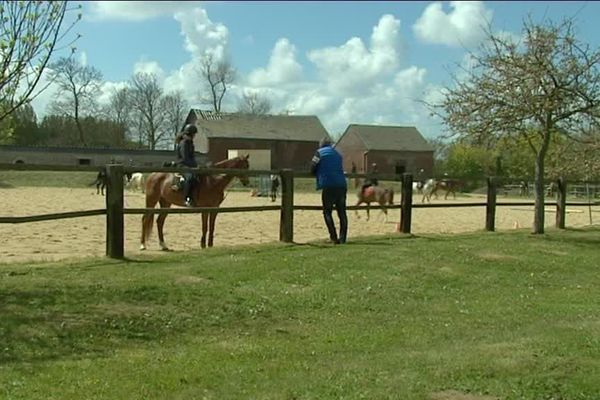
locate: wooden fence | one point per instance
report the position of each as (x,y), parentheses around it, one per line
(115,209)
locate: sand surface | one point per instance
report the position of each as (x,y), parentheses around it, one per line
(86,236)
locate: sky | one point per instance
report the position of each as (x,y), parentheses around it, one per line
(347,62)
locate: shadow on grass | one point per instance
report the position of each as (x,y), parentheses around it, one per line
(578,237)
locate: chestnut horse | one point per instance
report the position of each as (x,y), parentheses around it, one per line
(377,194)
(209,191)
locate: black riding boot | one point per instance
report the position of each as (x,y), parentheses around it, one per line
(187,193)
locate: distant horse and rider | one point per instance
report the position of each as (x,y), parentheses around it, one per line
(375,194)
(431,187)
(208,191)
(371,192)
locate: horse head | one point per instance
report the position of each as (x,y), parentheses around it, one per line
(239,162)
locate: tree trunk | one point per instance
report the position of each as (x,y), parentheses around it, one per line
(538,218)
(538,213)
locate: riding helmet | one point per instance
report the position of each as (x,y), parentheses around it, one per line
(190,129)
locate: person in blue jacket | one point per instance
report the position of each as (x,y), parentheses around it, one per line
(327,167)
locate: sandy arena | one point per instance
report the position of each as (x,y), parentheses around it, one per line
(86,236)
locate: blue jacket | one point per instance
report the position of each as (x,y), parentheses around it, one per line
(327,167)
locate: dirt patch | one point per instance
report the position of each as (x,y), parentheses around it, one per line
(84,237)
(455,395)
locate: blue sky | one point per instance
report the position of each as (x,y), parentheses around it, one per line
(346,62)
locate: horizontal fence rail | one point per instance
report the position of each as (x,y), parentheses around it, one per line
(115,209)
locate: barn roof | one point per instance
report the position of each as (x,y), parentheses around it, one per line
(306,128)
(395,138)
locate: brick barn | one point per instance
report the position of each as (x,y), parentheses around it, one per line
(395,149)
(273,141)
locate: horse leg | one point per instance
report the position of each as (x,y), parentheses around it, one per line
(160,223)
(368,215)
(152,198)
(211,228)
(204,228)
(356,211)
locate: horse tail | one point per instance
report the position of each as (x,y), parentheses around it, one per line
(391,196)
(147,223)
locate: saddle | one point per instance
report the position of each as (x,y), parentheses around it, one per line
(177,182)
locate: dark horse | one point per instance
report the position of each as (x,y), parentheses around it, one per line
(209,191)
(102,180)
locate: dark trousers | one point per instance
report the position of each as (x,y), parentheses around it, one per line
(188,184)
(331,197)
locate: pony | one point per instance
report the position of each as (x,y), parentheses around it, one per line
(100,182)
(449,186)
(137,181)
(429,188)
(274,186)
(208,191)
(417,186)
(377,194)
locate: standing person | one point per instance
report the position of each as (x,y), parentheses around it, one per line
(327,167)
(186,158)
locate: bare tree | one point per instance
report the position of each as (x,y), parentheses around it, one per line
(146,101)
(253,103)
(545,86)
(118,108)
(30,33)
(78,88)
(176,109)
(216,75)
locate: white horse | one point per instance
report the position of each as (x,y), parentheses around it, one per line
(137,182)
(417,186)
(429,188)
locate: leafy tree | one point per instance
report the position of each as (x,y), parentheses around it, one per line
(78,89)
(30,33)
(547,85)
(469,161)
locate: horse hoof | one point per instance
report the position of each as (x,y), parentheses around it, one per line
(142,247)
(165,249)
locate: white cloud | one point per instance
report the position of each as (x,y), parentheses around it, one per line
(149,67)
(135,10)
(463,26)
(352,66)
(282,67)
(203,36)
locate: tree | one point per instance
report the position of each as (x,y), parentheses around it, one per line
(252,103)
(146,100)
(176,109)
(30,33)
(216,75)
(78,89)
(547,85)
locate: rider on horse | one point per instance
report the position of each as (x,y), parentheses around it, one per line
(187,158)
(370,181)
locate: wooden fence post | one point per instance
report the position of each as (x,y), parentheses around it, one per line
(561,200)
(490,208)
(406,203)
(286,221)
(115,240)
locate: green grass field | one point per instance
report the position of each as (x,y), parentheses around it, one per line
(478,316)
